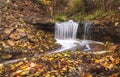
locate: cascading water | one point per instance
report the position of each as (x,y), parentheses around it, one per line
(87,35)
(87,31)
(65,34)
(66,30)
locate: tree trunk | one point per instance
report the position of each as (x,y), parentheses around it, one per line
(104,5)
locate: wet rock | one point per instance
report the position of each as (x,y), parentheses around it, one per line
(107,38)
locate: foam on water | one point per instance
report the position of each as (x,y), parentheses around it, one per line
(65,44)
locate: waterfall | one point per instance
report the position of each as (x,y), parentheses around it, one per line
(65,34)
(66,30)
(87,31)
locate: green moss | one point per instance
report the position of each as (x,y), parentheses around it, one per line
(78,17)
(98,14)
(40,1)
(60,18)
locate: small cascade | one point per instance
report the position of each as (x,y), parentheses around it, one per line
(65,34)
(87,31)
(87,36)
(66,30)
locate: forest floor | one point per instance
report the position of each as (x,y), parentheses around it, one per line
(23,47)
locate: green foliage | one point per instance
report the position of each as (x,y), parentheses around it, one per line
(60,18)
(78,17)
(41,1)
(100,14)
(82,10)
(97,14)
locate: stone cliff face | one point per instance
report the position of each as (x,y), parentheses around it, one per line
(109,27)
(107,31)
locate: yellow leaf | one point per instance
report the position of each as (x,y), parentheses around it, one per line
(97,61)
(64,69)
(50,59)
(1,66)
(23,67)
(59,55)
(20,63)
(48,74)
(47,2)
(116,24)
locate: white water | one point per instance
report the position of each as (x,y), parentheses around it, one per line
(66,44)
(87,31)
(65,34)
(87,35)
(86,44)
(66,30)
